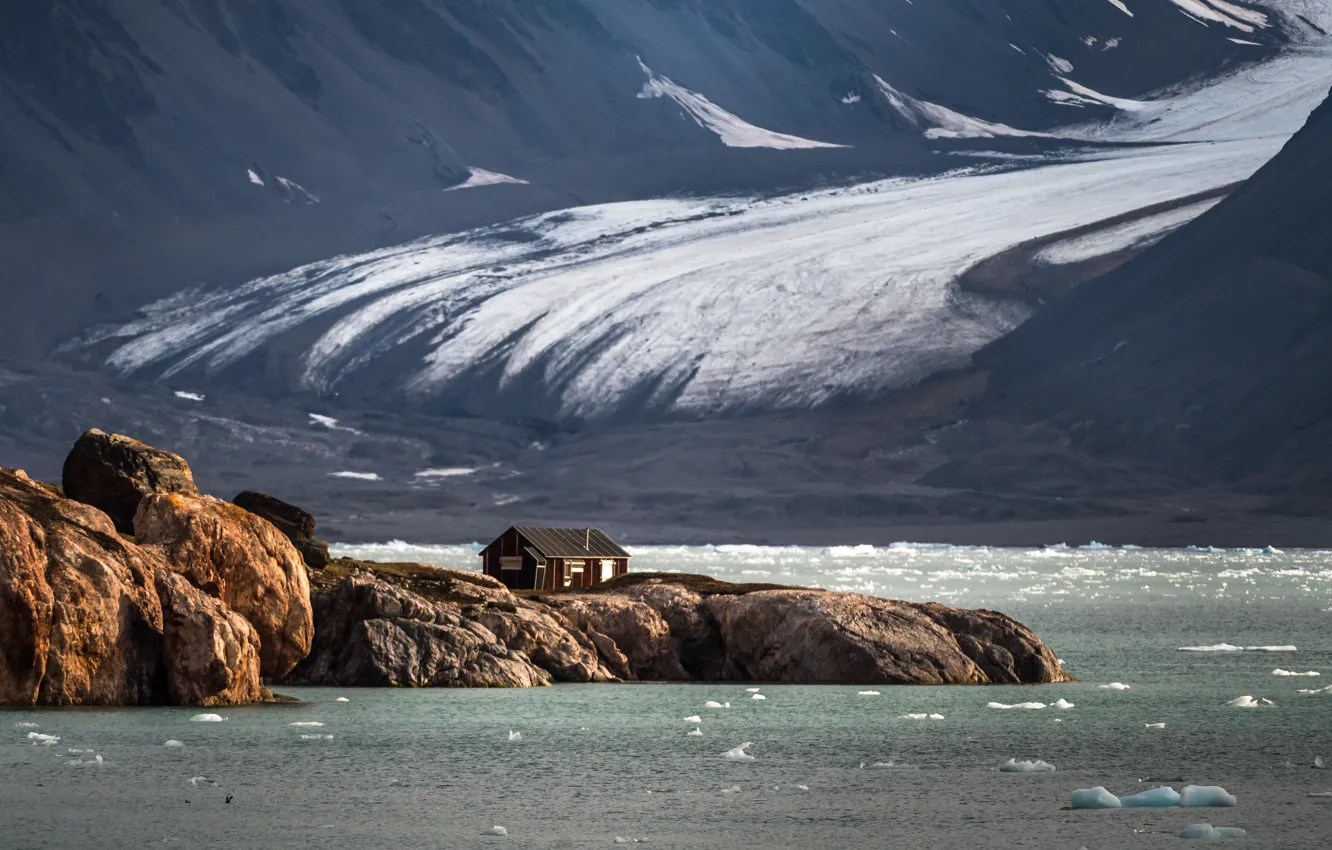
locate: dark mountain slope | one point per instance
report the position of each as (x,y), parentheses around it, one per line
(129,130)
(1211,351)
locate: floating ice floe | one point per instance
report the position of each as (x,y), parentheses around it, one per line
(693,718)
(758,696)
(1328,689)
(1207,831)
(1114,686)
(1319,794)
(867,693)
(42,739)
(620,839)
(1279,672)
(1205,796)
(306,723)
(207,718)
(1063,704)
(921,716)
(695,732)
(1318,763)
(496,830)
(1095,798)
(515,736)
(173,743)
(890,765)
(342,699)
(1031,706)
(1037,766)
(25,725)
(1226,647)
(92,760)
(1163,797)
(1154,725)
(714,704)
(738,753)
(734,789)
(201,782)
(1247,701)
(751,690)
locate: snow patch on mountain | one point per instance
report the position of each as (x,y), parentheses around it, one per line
(1119,4)
(1221,12)
(940,122)
(734,131)
(482,177)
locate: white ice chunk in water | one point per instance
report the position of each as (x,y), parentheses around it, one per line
(1114,686)
(1154,725)
(1279,672)
(1318,763)
(890,765)
(25,725)
(207,718)
(342,699)
(496,830)
(1063,704)
(1205,796)
(693,718)
(1207,831)
(1037,766)
(1164,797)
(921,716)
(867,693)
(515,736)
(695,732)
(1226,647)
(758,696)
(1030,706)
(714,704)
(1247,701)
(306,723)
(43,738)
(201,782)
(751,690)
(1095,798)
(738,753)
(173,743)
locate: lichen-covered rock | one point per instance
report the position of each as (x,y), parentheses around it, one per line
(638,631)
(81,621)
(211,653)
(371,633)
(113,473)
(241,559)
(297,524)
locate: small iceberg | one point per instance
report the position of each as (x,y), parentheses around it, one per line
(758,696)
(1279,672)
(1320,794)
(891,765)
(695,733)
(207,718)
(867,693)
(1247,701)
(921,716)
(738,753)
(1154,725)
(734,789)
(515,736)
(42,739)
(1037,766)
(1318,763)
(496,830)
(1164,797)
(693,718)
(751,690)
(714,704)
(1226,647)
(1114,686)
(25,725)
(342,699)
(1326,690)
(201,782)
(1063,705)
(82,762)
(1095,798)
(1207,831)
(173,743)
(1205,797)
(306,723)
(1029,706)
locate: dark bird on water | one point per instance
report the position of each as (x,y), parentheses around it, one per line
(228,798)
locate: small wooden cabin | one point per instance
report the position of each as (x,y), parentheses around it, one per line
(527,558)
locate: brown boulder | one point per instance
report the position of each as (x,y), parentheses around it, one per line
(371,633)
(81,621)
(298,525)
(547,638)
(113,473)
(211,653)
(241,559)
(638,631)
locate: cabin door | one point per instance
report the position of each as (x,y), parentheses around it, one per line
(540,583)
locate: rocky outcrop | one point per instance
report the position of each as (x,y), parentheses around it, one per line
(371,633)
(638,632)
(88,618)
(297,524)
(211,653)
(240,559)
(113,473)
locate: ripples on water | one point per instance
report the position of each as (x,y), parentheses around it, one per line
(434,769)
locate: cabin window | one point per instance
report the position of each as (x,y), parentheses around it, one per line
(607,569)
(573,569)
(511,563)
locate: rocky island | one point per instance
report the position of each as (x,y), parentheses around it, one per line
(127,586)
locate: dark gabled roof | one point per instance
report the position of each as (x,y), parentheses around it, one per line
(572,542)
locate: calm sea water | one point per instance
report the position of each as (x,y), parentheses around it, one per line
(435,769)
